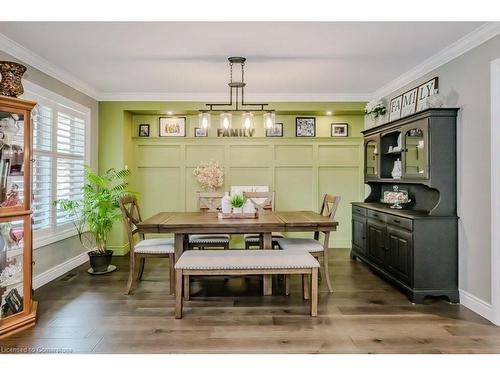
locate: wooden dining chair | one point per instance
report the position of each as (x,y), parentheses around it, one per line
(263,201)
(329,207)
(209,202)
(145,248)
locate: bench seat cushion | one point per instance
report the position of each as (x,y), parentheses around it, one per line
(209,238)
(245,260)
(304,244)
(155,246)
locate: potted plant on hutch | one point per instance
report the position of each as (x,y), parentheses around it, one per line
(93,216)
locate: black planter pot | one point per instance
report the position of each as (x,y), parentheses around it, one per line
(100,262)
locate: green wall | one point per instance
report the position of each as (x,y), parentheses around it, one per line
(299,170)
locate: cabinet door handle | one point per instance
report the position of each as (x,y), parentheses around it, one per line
(397,221)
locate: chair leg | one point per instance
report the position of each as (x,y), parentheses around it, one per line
(142,261)
(305,286)
(314,292)
(287,284)
(247,245)
(326,270)
(186,288)
(178,294)
(171,263)
(226,246)
(130,273)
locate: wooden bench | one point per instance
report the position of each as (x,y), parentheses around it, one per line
(241,263)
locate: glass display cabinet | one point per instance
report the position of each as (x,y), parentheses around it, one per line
(17,308)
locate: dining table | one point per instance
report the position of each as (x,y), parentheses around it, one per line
(183,224)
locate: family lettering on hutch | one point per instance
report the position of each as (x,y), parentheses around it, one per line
(413,100)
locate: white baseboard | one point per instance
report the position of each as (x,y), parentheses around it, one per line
(477,305)
(59,270)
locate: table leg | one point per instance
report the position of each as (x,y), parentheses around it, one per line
(179,245)
(268,279)
(186,288)
(305,286)
(314,292)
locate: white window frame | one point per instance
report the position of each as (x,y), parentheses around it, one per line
(47,236)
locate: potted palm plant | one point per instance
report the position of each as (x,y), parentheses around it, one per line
(93,216)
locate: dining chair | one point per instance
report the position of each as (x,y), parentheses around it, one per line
(329,207)
(263,201)
(145,248)
(209,202)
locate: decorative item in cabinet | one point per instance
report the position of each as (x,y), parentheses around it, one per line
(17,308)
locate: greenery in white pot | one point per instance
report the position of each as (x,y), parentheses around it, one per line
(237,202)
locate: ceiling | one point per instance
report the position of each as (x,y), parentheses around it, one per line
(341,60)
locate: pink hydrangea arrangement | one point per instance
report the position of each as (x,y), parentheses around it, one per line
(210,175)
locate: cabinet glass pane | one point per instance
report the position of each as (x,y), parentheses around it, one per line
(371,158)
(416,149)
(11,267)
(11,159)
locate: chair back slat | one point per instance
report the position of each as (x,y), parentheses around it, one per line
(262,200)
(329,205)
(131,216)
(209,201)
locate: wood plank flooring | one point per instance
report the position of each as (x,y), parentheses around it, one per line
(365,314)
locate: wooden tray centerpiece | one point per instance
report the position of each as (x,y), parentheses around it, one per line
(242,215)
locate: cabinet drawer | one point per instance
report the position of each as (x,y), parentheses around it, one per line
(360,211)
(376,215)
(400,222)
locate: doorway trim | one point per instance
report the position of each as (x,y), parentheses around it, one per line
(495,190)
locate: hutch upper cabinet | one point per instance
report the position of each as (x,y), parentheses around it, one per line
(17,309)
(415,247)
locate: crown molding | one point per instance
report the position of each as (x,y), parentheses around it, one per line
(454,50)
(223,97)
(30,58)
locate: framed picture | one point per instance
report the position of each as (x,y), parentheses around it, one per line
(275,131)
(409,103)
(339,129)
(395,108)
(425,90)
(200,132)
(305,126)
(172,126)
(144,130)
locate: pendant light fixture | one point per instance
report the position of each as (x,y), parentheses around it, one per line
(204,120)
(269,119)
(237,102)
(226,119)
(247,120)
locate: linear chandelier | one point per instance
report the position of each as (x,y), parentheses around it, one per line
(236,104)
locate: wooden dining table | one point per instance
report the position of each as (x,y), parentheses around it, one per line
(182,224)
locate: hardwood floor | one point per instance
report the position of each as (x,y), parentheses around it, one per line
(83,313)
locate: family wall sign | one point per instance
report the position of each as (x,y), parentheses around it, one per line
(413,100)
(237,132)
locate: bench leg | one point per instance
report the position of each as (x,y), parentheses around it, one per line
(314,292)
(171,273)
(305,286)
(186,288)
(178,294)
(287,284)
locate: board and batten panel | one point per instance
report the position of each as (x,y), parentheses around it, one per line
(249,155)
(301,196)
(244,176)
(158,155)
(338,155)
(197,153)
(293,154)
(159,190)
(340,181)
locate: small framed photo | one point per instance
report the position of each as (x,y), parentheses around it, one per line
(424,91)
(275,131)
(395,108)
(144,130)
(305,126)
(172,126)
(200,132)
(409,102)
(339,129)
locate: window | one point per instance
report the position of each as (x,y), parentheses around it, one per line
(60,144)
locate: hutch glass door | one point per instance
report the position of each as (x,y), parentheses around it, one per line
(371,157)
(415,158)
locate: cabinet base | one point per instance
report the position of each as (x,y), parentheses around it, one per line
(19,324)
(414,295)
